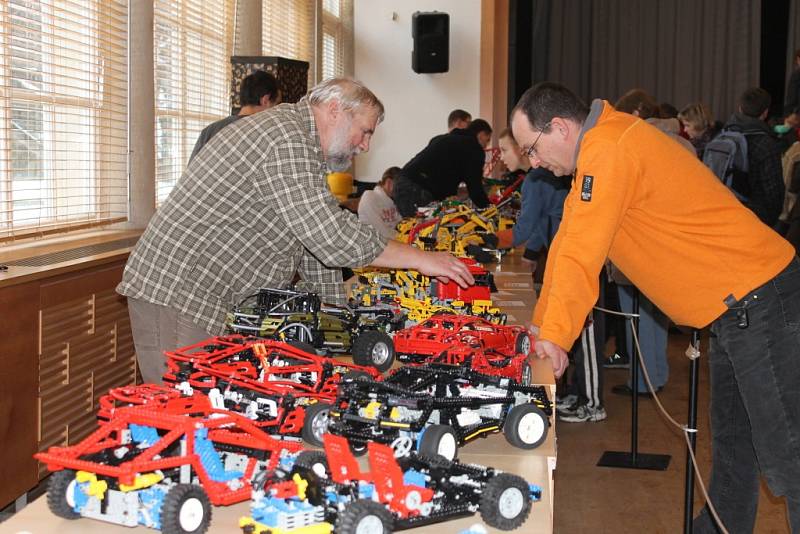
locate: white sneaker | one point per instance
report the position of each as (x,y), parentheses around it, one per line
(566,401)
(583,414)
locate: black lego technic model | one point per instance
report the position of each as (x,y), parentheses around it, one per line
(299,317)
(436,408)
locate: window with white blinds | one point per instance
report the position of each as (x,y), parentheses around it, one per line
(337,37)
(289,31)
(63,115)
(193,41)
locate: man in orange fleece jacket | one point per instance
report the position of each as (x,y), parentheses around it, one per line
(652,208)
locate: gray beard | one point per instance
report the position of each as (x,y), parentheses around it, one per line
(338,162)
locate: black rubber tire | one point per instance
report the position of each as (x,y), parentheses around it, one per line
(314,461)
(175,499)
(526,374)
(494,494)
(520,342)
(432,437)
(304,346)
(513,420)
(357,511)
(365,345)
(57,494)
(313,413)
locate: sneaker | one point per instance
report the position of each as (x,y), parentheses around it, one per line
(617,361)
(566,401)
(570,409)
(583,414)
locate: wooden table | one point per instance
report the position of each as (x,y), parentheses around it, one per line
(515,297)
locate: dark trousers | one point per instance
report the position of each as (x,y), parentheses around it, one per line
(755,404)
(408,196)
(588,358)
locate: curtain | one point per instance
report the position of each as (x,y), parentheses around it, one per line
(680,51)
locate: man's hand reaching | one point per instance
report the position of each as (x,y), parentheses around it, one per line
(558,356)
(445,267)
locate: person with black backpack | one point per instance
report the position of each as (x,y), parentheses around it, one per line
(746,156)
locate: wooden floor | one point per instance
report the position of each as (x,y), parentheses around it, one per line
(591,499)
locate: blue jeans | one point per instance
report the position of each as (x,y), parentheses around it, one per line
(754,358)
(653,325)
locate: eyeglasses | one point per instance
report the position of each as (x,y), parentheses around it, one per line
(530,152)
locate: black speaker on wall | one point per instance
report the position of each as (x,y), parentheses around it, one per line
(431,33)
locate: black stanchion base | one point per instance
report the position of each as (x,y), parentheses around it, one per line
(653,462)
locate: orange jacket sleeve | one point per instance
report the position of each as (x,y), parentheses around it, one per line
(601,192)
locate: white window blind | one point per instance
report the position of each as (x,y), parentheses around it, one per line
(289,31)
(63,115)
(193,41)
(337,38)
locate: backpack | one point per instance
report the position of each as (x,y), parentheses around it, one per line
(726,156)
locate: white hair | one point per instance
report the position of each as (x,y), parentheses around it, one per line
(351,95)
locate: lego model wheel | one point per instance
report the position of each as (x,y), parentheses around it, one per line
(314,461)
(439,440)
(315,423)
(186,510)
(526,374)
(522,345)
(61,494)
(505,502)
(526,426)
(364,517)
(374,348)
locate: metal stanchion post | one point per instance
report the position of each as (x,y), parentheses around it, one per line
(632,459)
(694,381)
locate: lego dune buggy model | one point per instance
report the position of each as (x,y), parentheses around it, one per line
(294,316)
(396,493)
(466,340)
(437,408)
(153,466)
(283,389)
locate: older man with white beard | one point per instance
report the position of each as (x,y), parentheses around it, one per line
(252,210)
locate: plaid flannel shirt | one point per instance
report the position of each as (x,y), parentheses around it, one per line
(251,209)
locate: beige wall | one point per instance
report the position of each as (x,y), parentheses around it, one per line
(417,105)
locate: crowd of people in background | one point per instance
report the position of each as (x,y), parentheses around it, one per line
(178,288)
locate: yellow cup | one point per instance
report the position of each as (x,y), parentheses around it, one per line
(340,184)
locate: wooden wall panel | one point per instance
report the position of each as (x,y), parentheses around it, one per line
(85,348)
(18,349)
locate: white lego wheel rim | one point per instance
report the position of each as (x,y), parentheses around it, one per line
(191,514)
(530,428)
(447,446)
(70,493)
(527,374)
(319,425)
(526,345)
(370,524)
(380,353)
(511,503)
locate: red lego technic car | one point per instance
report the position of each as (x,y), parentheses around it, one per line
(284,389)
(155,466)
(464,339)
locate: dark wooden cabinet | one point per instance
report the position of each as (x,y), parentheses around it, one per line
(65,341)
